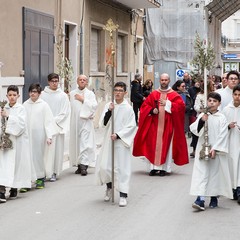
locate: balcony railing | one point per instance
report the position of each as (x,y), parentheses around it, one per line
(234,40)
(135,4)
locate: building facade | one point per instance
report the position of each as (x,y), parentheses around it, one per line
(67,37)
(231,43)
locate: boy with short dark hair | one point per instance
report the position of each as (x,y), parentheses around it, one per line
(232,114)
(210,175)
(124,127)
(15,165)
(41,129)
(59,104)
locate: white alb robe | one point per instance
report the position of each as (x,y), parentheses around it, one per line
(15,163)
(212,177)
(199,103)
(59,103)
(232,114)
(125,128)
(41,126)
(82,135)
(226,97)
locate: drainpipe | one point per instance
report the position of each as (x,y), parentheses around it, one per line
(81,51)
(81,42)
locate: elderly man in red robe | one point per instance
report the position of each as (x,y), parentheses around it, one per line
(160,136)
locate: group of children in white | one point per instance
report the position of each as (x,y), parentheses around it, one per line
(38,127)
(37,130)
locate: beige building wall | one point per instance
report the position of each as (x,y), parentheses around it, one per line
(97,14)
(11,50)
(70,12)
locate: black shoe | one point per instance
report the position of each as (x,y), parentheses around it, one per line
(192,154)
(13,193)
(83,169)
(214,202)
(154,172)
(235,197)
(2,198)
(84,172)
(162,173)
(238,199)
(199,204)
(78,171)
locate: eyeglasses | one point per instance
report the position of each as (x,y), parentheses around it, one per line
(54,81)
(233,79)
(118,90)
(34,91)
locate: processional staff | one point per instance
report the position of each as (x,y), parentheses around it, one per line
(5,141)
(206,147)
(111,27)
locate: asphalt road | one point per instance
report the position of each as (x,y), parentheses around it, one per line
(72,208)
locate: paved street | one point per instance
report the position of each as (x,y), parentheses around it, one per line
(159,208)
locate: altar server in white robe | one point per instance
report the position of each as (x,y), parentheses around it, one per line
(226,94)
(15,163)
(41,129)
(59,103)
(82,135)
(125,129)
(211,177)
(232,113)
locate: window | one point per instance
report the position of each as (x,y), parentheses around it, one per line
(122,53)
(238,30)
(97,49)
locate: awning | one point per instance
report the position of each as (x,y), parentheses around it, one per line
(136,4)
(223,9)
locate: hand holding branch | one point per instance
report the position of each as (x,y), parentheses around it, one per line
(4,113)
(205,117)
(114,136)
(111,106)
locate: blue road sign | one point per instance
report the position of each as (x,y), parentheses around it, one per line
(180,73)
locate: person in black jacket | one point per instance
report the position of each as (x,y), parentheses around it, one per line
(137,97)
(180,87)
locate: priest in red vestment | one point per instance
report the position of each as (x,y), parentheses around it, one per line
(160,136)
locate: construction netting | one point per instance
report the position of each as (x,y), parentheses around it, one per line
(170,31)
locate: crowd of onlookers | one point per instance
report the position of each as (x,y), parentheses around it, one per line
(191,90)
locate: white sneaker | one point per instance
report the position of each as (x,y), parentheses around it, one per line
(53,178)
(108,195)
(122,202)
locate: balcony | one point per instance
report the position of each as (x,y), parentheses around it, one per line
(234,42)
(136,4)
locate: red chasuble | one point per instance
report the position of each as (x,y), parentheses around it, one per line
(156,131)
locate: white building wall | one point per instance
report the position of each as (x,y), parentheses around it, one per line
(230,26)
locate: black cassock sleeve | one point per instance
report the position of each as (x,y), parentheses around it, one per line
(107,116)
(200,125)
